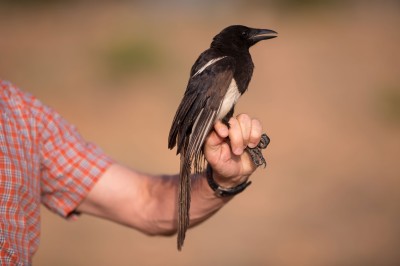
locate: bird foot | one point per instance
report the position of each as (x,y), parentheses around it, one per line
(256,152)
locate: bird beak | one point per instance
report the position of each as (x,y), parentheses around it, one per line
(262,34)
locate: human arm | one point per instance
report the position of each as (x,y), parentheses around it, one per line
(148,202)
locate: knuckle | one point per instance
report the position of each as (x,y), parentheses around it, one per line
(244,118)
(256,126)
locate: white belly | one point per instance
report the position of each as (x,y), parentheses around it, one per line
(230,99)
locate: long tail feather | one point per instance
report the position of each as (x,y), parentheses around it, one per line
(184,199)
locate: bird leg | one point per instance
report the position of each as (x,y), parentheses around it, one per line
(256,152)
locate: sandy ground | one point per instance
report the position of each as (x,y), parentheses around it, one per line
(327,91)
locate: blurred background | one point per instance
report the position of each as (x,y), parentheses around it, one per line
(327,91)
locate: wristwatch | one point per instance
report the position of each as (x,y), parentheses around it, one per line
(223,191)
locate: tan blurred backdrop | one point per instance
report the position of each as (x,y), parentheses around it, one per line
(327,91)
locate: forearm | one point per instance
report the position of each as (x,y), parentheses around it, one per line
(161,206)
(204,202)
(146,202)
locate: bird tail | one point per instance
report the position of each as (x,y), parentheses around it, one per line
(184,198)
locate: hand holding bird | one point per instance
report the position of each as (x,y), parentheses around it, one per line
(231,164)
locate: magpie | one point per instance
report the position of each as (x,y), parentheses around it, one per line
(219,76)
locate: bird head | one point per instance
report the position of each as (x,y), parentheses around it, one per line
(238,37)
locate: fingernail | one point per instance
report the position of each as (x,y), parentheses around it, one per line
(252,145)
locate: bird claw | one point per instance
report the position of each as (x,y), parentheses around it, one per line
(264,141)
(256,152)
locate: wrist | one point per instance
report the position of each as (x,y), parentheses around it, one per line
(222,190)
(229,181)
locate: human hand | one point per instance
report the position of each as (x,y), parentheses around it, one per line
(224,149)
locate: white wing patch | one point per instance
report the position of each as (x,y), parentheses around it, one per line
(230,99)
(209,63)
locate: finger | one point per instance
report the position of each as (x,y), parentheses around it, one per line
(248,165)
(216,149)
(213,140)
(236,137)
(245,125)
(255,133)
(221,129)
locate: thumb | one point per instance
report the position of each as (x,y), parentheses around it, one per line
(217,136)
(216,149)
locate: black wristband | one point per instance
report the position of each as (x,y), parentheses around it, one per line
(222,191)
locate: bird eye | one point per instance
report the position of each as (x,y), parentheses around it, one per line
(244,33)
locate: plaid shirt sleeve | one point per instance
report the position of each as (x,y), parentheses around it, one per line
(70,165)
(43,159)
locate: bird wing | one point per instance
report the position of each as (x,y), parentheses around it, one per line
(201,102)
(193,121)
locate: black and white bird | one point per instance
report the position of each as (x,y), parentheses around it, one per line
(218,78)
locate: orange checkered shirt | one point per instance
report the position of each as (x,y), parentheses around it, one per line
(42,160)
